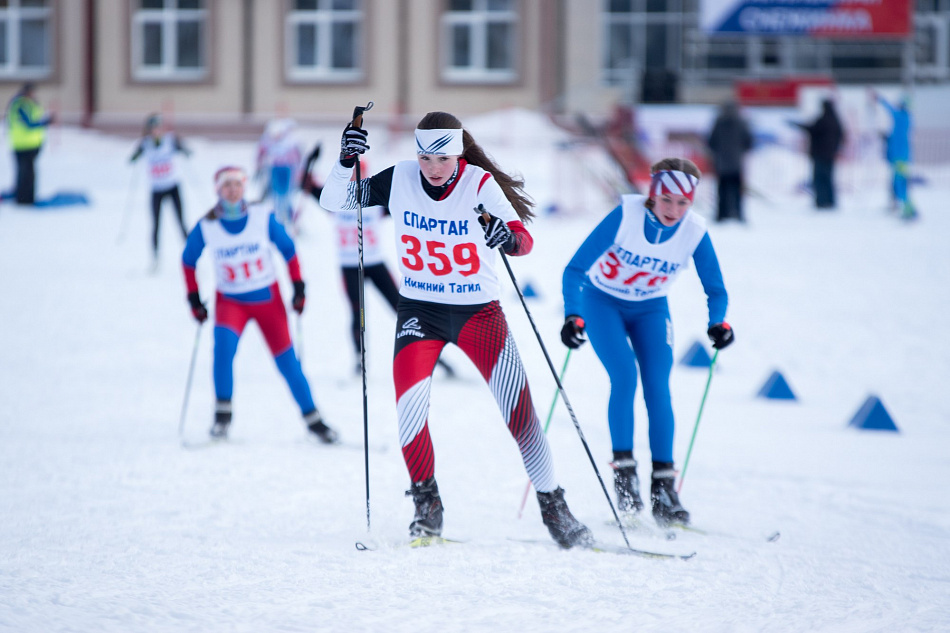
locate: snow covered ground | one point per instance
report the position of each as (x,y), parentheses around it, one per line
(107,524)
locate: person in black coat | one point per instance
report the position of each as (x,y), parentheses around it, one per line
(825,138)
(728,142)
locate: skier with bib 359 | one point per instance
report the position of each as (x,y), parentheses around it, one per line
(239,237)
(450,294)
(615,290)
(375,269)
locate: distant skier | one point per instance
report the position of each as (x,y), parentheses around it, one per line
(374,264)
(615,289)
(899,154)
(450,294)
(279,161)
(159,146)
(239,236)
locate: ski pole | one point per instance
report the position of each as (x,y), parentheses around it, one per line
(357,122)
(547,423)
(702,403)
(560,387)
(191,373)
(128,207)
(300,338)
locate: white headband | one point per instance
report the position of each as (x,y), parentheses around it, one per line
(673,181)
(228,173)
(440,142)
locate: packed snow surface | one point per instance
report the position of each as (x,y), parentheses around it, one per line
(108,524)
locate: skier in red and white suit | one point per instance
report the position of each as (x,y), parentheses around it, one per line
(238,237)
(449,294)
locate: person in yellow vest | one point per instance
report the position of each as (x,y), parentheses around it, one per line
(27,123)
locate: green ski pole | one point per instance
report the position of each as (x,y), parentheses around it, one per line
(527,488)
(689,451)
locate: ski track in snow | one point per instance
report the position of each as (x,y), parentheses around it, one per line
(109,525)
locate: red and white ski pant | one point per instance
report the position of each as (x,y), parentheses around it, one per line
(422,331)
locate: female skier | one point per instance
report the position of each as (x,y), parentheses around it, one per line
(450,293)
(159,146)
(238,236)
(615,286)
(374,263)
(279,162)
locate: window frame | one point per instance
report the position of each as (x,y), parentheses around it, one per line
(324,17)
(15,14)
(169,17)
(638,21)
(478,20)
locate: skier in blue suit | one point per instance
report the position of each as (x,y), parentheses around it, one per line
(615,289)
(898,154)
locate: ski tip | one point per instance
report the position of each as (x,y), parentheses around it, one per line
(360,547)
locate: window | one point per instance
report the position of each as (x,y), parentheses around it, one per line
(25,39)
(324,40)
(640,36)
(480,41)
(169,40)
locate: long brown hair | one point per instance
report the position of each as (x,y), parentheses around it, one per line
(472,152)
(684,165)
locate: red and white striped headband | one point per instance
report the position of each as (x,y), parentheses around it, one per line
(671,181)
(228,173)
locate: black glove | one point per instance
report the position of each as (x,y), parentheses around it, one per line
(497,232)
(198,309)
(352,145)
(299,297)
(572,334)
(721,335)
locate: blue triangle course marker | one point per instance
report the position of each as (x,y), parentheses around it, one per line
(873,416)
(696,356)
(529,292)
(776,388)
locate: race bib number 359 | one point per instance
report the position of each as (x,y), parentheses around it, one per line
(438,258)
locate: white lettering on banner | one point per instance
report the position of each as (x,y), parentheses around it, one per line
(794,20)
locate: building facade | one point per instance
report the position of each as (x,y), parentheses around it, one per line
(233,63)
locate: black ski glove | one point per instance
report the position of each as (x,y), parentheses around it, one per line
(497,233)
(572,334)
(352,145)
(721,335)
(198,309)
(299,297)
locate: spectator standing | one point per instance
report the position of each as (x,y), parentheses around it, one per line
(728,142)
(27,122)
(825,138)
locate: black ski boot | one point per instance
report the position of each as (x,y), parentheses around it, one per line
(667,508)
(320,430)
(428,519)
(222,420)
(627,485)
(562,525)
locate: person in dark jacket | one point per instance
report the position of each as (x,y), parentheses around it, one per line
(825,138)
(728,142)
